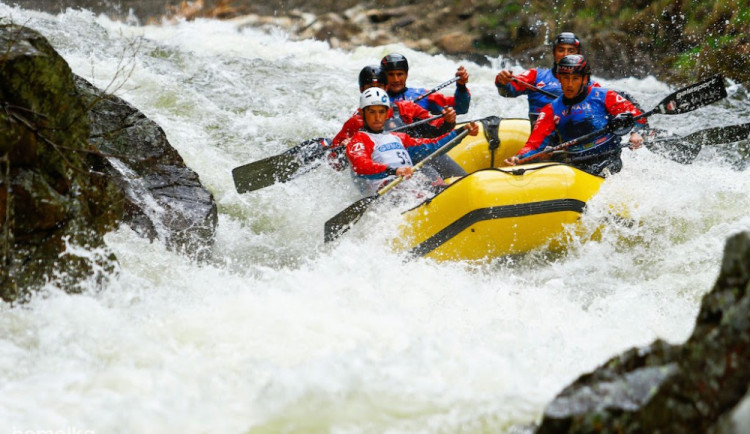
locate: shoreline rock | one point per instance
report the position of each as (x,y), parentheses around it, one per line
(695,387)
(59,192)
(164,199)
(677,42)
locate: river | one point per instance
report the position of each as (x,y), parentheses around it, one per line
(280,332)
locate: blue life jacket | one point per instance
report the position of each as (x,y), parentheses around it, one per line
(544,80)
(462,99)
(585,117)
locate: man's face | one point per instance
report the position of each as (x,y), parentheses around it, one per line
(375,117)
(571,84)
(562,50)
(396,80)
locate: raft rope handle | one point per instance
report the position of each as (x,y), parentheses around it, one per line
(521,171)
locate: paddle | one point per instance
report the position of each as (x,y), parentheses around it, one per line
(297,160)
(684,100)
(414,124)
(279,168)
(538,89)
(342,221)
(685,149)
(436,88)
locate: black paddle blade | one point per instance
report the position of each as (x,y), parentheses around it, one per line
(730,134)
(685,149)
(278,168)
(344,220)
(692,97)
(674,148)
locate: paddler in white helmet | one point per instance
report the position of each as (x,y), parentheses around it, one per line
(377,157)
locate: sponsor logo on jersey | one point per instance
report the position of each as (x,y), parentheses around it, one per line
(390,146)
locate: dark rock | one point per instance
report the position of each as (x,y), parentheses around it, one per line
(382,15)
(404,22)
(50,200)
(74,163)
(614,55)
(664,388)
(164,198)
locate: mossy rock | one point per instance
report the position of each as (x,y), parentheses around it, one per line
(53,197)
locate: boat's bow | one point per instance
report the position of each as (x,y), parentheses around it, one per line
(496,212)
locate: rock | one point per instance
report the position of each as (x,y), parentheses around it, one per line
(50,199)
(382,15)
(613,54)
(74,163)
(693,387)
(164,198)
(455,43)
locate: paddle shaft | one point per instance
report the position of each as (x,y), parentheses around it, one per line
(435,89)
(340,223)
(535,88)
(684,100)
(414,124)
(442,150)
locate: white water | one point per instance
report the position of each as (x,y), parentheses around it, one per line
(281,333)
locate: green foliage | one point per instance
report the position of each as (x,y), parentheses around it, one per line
(688,60)
(681,37)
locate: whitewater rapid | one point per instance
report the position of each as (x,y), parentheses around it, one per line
(280,332)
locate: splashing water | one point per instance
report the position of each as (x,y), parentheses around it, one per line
(281,333)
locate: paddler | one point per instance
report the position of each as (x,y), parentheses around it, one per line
(581,110)
(397,70)
(400,113)
(543,78)
(377,157)
(538,83)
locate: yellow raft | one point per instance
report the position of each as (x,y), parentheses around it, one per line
(496,211)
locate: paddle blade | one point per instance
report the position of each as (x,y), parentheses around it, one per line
(730,134)
(694,96)
(278,168)
(674,148)
(685,149)
(263,173)
(344,220)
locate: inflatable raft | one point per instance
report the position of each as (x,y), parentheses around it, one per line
(496,211)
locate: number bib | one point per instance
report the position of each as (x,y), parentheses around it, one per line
(389,150)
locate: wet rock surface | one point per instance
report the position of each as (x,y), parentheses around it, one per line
(59,190)
(164,199)
(699,386)
(49,198)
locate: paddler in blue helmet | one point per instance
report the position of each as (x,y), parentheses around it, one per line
(581,110)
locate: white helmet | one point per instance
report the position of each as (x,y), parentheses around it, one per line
(374,96)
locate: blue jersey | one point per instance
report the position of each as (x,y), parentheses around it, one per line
(539,77)
(591,114)
(436,102)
